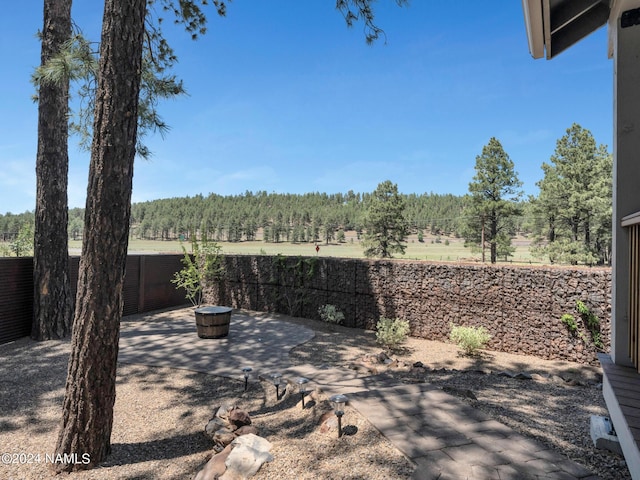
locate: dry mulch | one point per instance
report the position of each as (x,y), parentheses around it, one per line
(160,413)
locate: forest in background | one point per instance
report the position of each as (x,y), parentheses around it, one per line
(298,218)
(568,222)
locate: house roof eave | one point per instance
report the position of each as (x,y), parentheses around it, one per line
(554,25)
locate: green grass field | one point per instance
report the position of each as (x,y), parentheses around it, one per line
(427,250)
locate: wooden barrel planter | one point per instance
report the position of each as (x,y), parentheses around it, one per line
(213,322)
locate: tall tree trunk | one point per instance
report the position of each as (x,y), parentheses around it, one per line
(90,388)
(552,229)
(587,234)
(482,237)
(575,225)
(493,232)
(52,296)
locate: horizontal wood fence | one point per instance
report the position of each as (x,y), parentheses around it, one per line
(147,287)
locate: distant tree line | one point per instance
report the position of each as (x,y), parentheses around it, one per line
(310,217)
(568,222)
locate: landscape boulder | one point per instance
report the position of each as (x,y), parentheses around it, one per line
(328,422)
(216,466)
(239,418)
(245,430)
(226,425)
(249,453)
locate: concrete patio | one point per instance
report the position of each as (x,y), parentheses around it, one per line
(444,437)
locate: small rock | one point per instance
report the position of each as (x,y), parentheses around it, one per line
(328,422)
(418,365)
(223,437)
(556,379)
(365,367)
(460,392)
(382,357)
(215,467)
(412,380)
(314,395)
(239,418)
(504,373)
(245,430)
(523,376)
(213,426)
(223,411)
(324,416)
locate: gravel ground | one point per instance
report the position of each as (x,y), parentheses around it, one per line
(553,406)
(160,413)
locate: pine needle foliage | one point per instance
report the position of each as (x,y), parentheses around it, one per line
(386,227)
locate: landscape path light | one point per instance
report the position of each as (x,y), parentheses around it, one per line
(338,401)
(245,372)
(276,378)
(302,386)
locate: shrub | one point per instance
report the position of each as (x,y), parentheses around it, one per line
(391,332)
(330,314)
(202,268)
(469,339)
(570,321)
(592,322)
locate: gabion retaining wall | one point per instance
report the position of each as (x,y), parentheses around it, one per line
(520,306)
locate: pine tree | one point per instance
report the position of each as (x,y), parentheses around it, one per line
(91,380)
(52,302)
(386,227)
(574,204)
(495,191)
(90,388)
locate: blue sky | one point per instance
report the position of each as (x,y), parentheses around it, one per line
(284,98)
